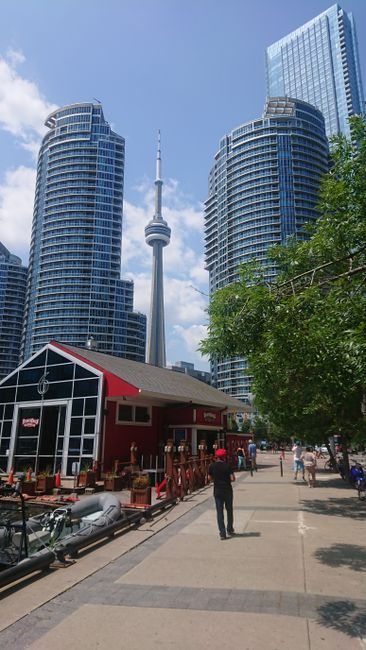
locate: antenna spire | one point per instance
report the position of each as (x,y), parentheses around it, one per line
(158,159)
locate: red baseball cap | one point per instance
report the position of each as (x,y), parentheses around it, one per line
(220,453)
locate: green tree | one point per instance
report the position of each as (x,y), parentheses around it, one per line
(245,427)
(304,335)
(260,428)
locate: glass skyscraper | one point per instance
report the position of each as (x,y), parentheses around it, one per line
(263,187)
(74,290)
(319,63)
(13,279)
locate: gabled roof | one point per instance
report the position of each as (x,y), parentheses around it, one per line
(160,383)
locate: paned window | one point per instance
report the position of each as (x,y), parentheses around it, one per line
(129,413)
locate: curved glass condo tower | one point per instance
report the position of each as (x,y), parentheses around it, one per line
(263,188)
(74,288)
(319,63)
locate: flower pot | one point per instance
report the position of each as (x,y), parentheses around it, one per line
(29,487)
(86,479)
(113,483)
(45,484)
(141,496)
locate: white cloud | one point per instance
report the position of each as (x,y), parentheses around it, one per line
(23,109)
(183,256)
(182,303)
(15,56)
(191,336)
(16,209)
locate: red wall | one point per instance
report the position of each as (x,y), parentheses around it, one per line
(118,437)
(178,416)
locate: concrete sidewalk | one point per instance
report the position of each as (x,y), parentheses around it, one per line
(294,575)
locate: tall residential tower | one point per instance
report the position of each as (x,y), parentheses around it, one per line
(74,289)
(13,280)
(263,188)
(157,235)
(319,63)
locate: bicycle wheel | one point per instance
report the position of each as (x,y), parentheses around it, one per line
(328,466)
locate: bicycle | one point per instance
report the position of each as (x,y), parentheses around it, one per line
(328,467)
(357,476)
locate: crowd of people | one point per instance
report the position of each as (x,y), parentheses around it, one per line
(221,473)
(305,459)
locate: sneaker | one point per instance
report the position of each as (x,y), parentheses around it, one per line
(231,533)
(222,536)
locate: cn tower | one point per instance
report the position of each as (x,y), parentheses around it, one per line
(157,235)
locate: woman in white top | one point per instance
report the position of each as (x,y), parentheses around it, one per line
(309,461)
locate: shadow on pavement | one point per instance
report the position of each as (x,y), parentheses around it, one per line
(334,483)
(343,616)
(345,507)
(246,535)
(349,555)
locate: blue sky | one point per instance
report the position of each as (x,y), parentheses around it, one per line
(193,68)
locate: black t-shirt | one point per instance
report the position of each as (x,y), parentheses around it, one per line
(221,472)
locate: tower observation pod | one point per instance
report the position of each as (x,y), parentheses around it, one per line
(157,235)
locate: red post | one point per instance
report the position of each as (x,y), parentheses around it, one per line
(96,469)
(183,466)
(202,451)
(133,453)
(169,466)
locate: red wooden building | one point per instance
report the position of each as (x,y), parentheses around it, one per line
(68,404)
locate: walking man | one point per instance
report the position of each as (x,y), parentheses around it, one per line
(252,451)
(298,463)
(222,476)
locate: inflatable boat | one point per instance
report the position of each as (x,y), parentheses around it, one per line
(32,544)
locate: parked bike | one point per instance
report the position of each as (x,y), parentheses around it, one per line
(358,480)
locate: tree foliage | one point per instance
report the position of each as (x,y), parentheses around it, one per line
(304,336)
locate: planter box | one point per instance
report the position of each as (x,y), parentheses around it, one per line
(29,487)
(45,484)
(86,479)
(115,483)
(141,496)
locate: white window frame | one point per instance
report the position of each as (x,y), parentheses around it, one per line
(133,422)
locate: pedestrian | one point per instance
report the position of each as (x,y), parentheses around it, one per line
(298,463)
(252,451)
(222,476)
(241,458)
(309,461)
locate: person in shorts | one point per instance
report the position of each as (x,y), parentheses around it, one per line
(298,463)
(309,460)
